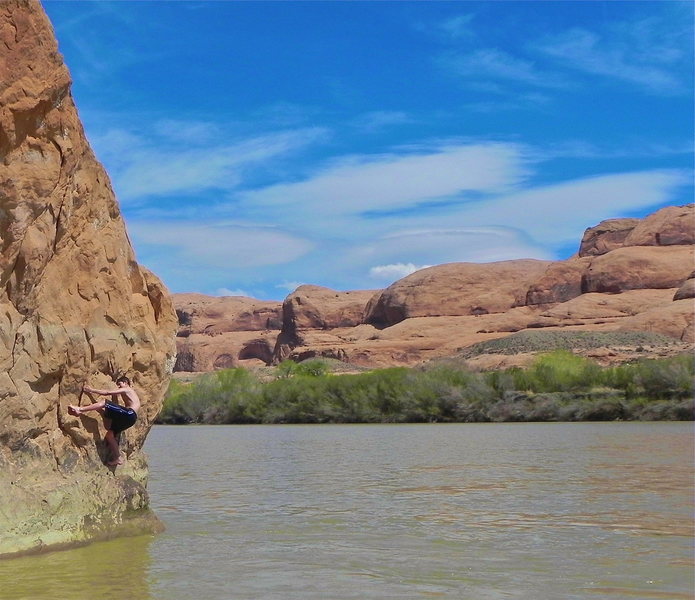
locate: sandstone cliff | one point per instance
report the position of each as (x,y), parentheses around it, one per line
(233,331)
(74,306)
(318,309)
(224,332)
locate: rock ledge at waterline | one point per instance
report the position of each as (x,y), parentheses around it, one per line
(74,305)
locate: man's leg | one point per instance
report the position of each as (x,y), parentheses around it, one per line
(115,451)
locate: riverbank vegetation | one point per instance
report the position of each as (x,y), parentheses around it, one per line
(559,386)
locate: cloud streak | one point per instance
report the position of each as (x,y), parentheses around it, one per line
(323,220)
(394,271)
(620,59)
(172,164)
(649,53)
(367,183)
(218,245)
(494,64)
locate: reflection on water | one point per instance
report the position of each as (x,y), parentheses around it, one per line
(119,567)
(480,511)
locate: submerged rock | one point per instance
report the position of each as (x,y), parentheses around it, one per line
(74,306)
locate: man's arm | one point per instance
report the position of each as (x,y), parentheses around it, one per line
(92,390)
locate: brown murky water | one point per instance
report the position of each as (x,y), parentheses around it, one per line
(476,511)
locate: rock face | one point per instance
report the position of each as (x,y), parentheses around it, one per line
(687,290)
(456,289)
(74,307)
(670,226)
(312,307)
(560,282)
(606,236)
(638,268)
(220,333)
(233,331)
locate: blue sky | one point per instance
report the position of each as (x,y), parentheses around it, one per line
(256,146)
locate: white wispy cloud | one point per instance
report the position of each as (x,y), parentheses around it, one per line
(557,214)
(189,132)
(520,100)
(201,245)
(439,243)
(394,271)
(457,27)
(143,167)
(98,54)
(289,286)
(378,120)
(629,55)
(391,182)
(651,53)
(494,64)
(227,292)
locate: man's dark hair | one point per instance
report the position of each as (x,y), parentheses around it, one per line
(123,378)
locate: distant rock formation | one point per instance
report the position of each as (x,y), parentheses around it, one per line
(629,274)
(74,306)
(606,236)
(670,226)
(312,307)
(687,290)
(224,332)
(455,289)
(231,331)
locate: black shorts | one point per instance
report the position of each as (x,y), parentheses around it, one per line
(121,418)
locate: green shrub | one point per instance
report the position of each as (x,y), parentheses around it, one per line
(287,368)
(558,371)
(558,386)
(312,368)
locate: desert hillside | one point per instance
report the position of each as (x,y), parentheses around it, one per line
(629,276)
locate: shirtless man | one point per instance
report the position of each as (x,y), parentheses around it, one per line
(116,417)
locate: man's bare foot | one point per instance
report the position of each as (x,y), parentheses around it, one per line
(74,410)
(115,463)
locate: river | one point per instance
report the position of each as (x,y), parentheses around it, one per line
(550,511)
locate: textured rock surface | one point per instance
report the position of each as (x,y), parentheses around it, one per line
(456,289)
(634,268)
(561,282)
(316,307)
(687,290)
(670,226)
(74,305)
(606,236)
(674,319)
(312,307)
(203,352)
(223,332)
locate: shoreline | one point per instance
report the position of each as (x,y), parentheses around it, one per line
(134,524)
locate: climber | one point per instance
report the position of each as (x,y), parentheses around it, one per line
(116,418)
